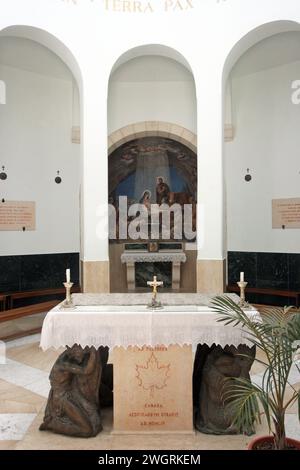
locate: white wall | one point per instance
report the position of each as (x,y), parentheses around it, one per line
(35,142)
(152,88)
(91,39)
(267,140)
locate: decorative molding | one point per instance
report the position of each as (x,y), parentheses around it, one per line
(2,92)
(169,130)
(153,257)
(152,128)
(76,135)
(228,133)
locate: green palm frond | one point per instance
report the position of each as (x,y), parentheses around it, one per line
(244,397)
(277,335)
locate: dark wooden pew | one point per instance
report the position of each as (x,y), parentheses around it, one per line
(12,296)
(15,313)
(3,299)
(273,292)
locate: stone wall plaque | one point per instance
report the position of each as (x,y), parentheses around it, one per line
(286,213)
(17,215)
(153,389)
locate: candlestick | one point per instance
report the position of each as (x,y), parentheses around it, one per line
(68,275)
(242,286)
(68,302)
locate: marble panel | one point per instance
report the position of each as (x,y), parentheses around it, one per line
(14,399)
(10,271)
(95,276)
(242,262)
(32,379)
(31,272)
(272,270)
(211,276)
(294,271)
(145,272)
(13,426)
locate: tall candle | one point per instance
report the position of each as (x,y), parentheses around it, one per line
(68,275)
(242,277)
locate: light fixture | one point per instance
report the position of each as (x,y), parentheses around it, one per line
(3,175)
(248,177)
(58,179)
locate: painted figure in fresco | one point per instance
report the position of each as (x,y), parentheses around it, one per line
(128,157)
(146,199)
(180,198)
(73,403)
(162,191)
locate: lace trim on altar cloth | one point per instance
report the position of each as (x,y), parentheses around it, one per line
(59,332)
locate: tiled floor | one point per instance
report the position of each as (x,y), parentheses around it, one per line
(24,389)
(21,325)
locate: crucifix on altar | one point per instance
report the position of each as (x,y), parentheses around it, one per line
(155,284)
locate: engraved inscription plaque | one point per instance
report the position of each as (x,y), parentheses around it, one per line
(17,215)
(286,213)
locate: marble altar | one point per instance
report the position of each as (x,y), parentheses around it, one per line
(131,258)
(152,354)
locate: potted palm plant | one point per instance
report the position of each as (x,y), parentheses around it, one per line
(277,335)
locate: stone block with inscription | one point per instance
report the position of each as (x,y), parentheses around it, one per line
(153,389)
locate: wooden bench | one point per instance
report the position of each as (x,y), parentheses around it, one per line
(15,313)
(3,299)
(273,292)
(36,293)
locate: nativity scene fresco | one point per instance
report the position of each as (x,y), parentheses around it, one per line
(159,175)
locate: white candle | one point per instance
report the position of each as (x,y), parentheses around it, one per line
(68,275)
(242,277)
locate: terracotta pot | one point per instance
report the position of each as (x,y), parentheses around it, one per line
(258,440)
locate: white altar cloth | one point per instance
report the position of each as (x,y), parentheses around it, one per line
(135,325)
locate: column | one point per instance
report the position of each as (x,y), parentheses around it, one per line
(211,263)
(94,194)
(130,276)
(176,275)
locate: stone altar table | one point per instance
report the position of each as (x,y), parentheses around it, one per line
(152,352)
(131,258)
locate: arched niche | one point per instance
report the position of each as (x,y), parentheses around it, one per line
(37,134)
(152,114)
(151,50)
(152,83)
(260,162)
(243,45)
(49,40)
(253,37)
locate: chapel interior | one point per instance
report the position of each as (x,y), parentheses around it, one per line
(154,155)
